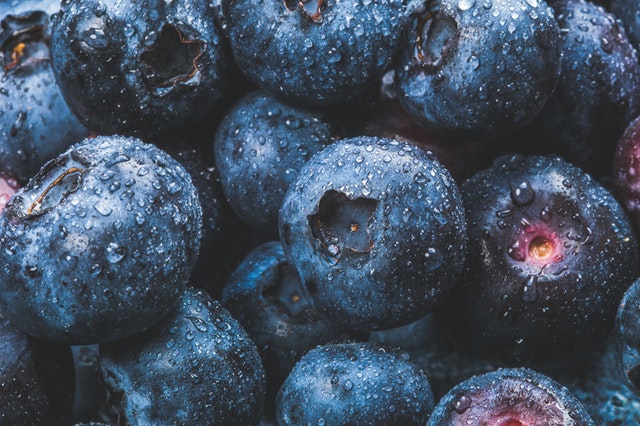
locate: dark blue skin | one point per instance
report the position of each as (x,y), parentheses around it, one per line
(355,384)
(315,52)
(196,367)
(100,243)
(265,295)
(147,68)
(550,253)
(478,69)
(510,397)
(259,147)
(36,379)
(627,11)
(35,125)
(376,230)
(583,121)
(628,336)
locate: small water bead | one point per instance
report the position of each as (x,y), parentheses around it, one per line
(465,5)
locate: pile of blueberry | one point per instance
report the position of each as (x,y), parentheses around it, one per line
(320,212)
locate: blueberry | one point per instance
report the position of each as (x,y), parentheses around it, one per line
(550,253)
(355,383)
(35,125)
(376,230)
(598,94)
(478,69)
(100,243)
(628,336)
(150,69)
(626,165)
(388,119)
(197,366)
(314,51)
(259,148)
(265,295)
(510,397)
(36,379)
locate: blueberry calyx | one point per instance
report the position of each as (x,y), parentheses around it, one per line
(308,8)
(173,58)
(24,40)
(285,294)
(55,181)
(436,37)
(342,223)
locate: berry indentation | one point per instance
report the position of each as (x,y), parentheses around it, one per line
(49,188)
(436,38)
(24,40)
(541,249)
(342,224)
(311,8)
(173,59)
(286,292)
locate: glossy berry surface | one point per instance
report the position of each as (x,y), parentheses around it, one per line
(510,397)
(125,70)
(259,147)
(550,254)
(265,294)
(197,366)
(599,89)
(628,12)
(362,382)
(314,52)
(479,69)
(35,125)
(100,243)
(628,336)
(626,172)
(376,230)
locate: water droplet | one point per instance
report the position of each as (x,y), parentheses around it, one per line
(115,253)
(522,193)
(462,404)
(96,38)
(532,3)
(199,324)
(466,4)
(474,62)
(103,208)
(348,385)
(419,178)
(529,290)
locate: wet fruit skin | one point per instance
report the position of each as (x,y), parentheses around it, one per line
(510,397)
(318,52)
(125,70)
(100,243)
(35,125)
(550,254)
(376,231)
(259,147)
(478,70)
(626,169)
(196,367)
(265,294)
(598,94)
(628,337)
(627,12)
(355,383)
(36,379)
